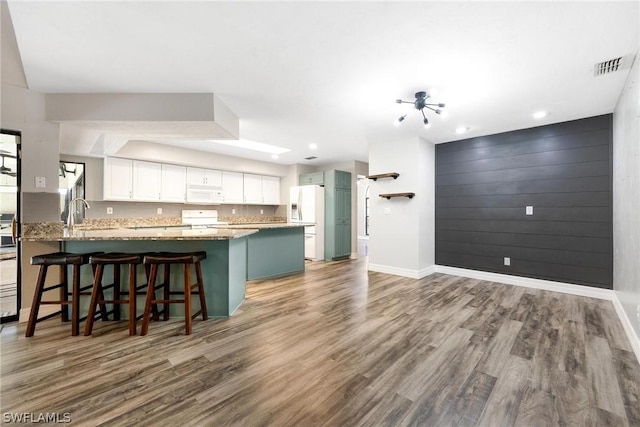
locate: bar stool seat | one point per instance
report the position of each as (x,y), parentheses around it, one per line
(115,259)
(61,259)
(166,259)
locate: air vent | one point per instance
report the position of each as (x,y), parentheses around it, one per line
(310,158)
(612,65)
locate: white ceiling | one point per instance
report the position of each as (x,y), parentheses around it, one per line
(306,72)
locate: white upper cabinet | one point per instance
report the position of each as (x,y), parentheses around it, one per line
(232,187)
(141,181)
(271,190)
(252,188)
(204,177)
(118,179)
(147,181)
(261,190)
(174,183)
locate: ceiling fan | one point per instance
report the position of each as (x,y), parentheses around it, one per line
(4,169)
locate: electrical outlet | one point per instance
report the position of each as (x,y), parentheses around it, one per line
(507,261)
(40,182)
(233,211)
(109,210)
(261,211)
(529,210)
(159,211)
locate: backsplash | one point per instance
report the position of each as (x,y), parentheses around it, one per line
(149,210)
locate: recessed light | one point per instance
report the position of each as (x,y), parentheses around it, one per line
(539,114)
(313,146)
(461,129)
(275,156)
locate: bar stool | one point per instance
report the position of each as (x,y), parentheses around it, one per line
(97,295)
(166,259)
(62,259)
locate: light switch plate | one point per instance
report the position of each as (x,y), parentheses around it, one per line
(529,210)
(109,210)
(507,261)
(159,211)
(40,182)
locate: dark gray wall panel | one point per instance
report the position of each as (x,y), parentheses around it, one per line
(566,185)
(563,170)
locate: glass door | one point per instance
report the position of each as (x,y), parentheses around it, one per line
(9,225)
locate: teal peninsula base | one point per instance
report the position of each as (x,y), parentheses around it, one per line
(224,271)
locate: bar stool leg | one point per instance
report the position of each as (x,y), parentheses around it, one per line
(133,284)
(64,296)
(75,302)
(35,305)
(150,297)
(96,294)
(203,301)
(187,298)
(116,291)
(167,290)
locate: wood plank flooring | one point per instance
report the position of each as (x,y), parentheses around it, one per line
(339,346)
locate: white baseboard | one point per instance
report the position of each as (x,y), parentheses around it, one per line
(528,282)
(547,285)
(404,272)
(634,339)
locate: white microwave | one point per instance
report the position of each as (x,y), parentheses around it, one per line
(204,195)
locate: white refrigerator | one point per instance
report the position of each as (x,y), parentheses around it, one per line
(306,204)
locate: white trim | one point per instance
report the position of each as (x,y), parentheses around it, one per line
(45,310)
(634,339)
(547,285)
(363,237)
(404,272)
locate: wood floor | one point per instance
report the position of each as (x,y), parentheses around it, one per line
(338,346)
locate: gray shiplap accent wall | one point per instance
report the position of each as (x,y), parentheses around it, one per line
(563,170)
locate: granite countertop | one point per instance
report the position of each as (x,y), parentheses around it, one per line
(142,234)
(145,229)
(264,225)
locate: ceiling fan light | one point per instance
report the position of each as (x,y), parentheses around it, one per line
(399,120)
(441,105)
(398,101)
(438,111)
(427,125)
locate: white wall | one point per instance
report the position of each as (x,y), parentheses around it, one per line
(626,197)
(23,110)
(401,240)
(426,204)
(362,185)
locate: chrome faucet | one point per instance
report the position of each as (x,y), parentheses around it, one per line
(70,218)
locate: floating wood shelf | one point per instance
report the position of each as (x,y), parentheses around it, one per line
(393,175)
(390,195)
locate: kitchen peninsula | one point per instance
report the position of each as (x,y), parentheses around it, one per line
(235,253)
